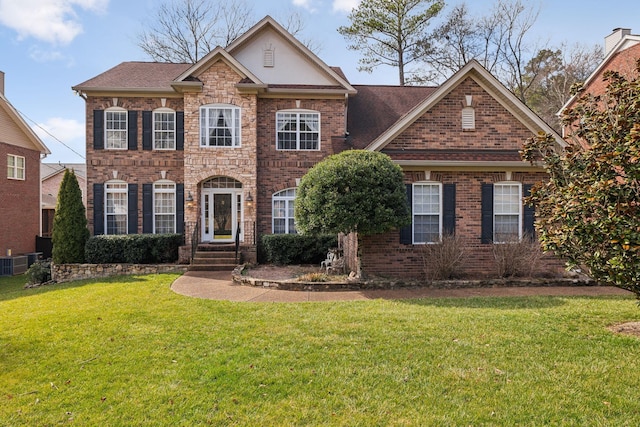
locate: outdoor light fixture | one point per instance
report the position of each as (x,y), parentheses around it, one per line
(190,200)
(249,199)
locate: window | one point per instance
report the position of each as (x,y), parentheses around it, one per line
(427,212)
(116,128)
(298,130)
(164,129)
(283,204)
(219,126)
(164,207)
(507,212)
(15,167)
(116,207)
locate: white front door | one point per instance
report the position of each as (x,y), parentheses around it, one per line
(221,211)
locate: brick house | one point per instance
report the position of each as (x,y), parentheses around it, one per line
(20,151)
(52,174)
(216,149)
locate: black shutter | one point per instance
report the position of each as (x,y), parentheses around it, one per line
(486,235)
(98,209)
(529,213)
(133,209)
(406,232)
(179,130)
(98,129)
(147,208)
(179,208)
(449,209)
(147,128)
(132,130)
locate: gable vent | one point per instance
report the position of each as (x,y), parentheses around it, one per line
(468,118)
(268,57)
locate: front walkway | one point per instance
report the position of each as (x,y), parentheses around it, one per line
(219,286)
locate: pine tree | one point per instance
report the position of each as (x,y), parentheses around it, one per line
(70,232)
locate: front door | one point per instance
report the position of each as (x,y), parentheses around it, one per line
(219,215)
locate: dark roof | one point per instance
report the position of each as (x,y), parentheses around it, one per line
(131,75)
(374,109)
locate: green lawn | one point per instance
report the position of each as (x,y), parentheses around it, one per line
(128,351)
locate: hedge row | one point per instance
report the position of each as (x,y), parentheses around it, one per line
(286,249)
(133,249)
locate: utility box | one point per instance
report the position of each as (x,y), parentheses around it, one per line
(12,265)
(33,257)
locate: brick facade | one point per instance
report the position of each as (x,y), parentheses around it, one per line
(20,207)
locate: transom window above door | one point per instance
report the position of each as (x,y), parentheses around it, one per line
(298,130)
(219,125)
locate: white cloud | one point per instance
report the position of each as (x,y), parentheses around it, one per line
(345,5)
(307,4)
(52,21)
(62,136)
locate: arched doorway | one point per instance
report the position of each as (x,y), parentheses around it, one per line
(221,209)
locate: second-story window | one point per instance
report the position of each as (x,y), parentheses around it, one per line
(219,126)
(115,128)
(164,129)
(298,130)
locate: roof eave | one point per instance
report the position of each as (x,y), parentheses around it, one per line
(126,91)
(487,164)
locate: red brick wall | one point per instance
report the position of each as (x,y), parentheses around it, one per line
(133,166)
(623,62)
(384,254)
(278,170)
(20,206)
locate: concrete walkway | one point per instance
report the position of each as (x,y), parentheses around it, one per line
(219,286)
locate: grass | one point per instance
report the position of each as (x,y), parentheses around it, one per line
(128,351)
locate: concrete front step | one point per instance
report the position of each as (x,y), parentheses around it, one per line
(214,257)
(226,260)
(212,267)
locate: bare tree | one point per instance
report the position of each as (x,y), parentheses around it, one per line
(186,30)
(389,32)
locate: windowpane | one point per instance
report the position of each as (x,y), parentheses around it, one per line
(507,200)
(116,208)
(298,131)
(164,135)
(283,212)
(220,126)
(116,129)
(15,167)
(426,213)
(164,208)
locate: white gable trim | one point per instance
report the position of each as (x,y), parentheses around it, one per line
(217,54)
(490,84)
(269,21)
(22,124)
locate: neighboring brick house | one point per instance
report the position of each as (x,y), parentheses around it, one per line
(219,147)
(20,151)
(52,174)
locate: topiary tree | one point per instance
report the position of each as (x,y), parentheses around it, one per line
(589,210)
(70,232)
(354,191)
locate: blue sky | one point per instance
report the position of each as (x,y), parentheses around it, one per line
(47,46)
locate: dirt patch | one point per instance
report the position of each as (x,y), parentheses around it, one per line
(280,272)
(629,328)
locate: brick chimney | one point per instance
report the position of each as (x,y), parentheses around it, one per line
(612,39)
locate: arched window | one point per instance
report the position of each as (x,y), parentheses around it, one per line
(282,217)
(115,128)
(164,129)
(164,207)
(298,130)
(116,207)
(219,125)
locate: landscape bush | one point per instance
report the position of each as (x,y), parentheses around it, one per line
(285,249)
(133,249)
(443,260)
(517,258)
(39,272)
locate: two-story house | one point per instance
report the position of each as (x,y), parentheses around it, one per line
(216,149)
(20,152)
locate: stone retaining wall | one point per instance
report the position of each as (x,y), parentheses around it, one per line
(69,272)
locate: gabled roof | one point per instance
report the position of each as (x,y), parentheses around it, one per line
(269,22)
(625,43)
(22,125)
(217,54)
(48,170)
(489,83)
(135,77)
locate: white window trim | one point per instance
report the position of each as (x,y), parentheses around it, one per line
(413,214)
(520,208)
(298,112)
(153,128)
(287,200)
(126,128)
(123,187)
(236,129)
(12,170)
(164,191)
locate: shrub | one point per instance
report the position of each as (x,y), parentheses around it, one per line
(517,258)
(70,231)
(444,260)
(133,248)
(39,272)
(287,249)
